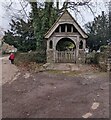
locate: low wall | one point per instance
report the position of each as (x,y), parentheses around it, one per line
(81,57)
(50,56)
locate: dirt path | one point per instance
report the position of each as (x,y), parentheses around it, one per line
(56,95)
(8,70)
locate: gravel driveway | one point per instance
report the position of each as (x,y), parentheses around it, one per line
(56,95)
(8,70)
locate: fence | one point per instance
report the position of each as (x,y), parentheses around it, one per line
(65,56)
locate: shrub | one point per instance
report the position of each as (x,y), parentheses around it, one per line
(96,58)
(30,57)
(103,48)
(3,52)
(92,58)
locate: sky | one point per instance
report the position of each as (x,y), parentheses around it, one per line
(87,16)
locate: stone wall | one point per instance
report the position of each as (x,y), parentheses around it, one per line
(105,59)
(81,57)
(50,56)
(109,65)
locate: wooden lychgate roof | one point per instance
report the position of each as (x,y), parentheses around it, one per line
(66,17)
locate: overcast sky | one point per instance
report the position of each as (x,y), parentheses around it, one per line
(5,14)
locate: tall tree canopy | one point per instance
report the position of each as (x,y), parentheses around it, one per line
(110,19)
(21,35)
(43,18)
(98,32)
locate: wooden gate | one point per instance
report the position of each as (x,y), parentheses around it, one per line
(65,56)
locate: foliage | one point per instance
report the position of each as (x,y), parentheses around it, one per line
(110,20)
(21,35)
(92,58)
(98,58)
(27,57)
(65,44)
(103,48)
(43,18)
(98,32)
(3,52)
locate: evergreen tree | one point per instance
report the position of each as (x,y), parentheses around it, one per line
(21,35)
(43,18)
(98,32)
(110,21)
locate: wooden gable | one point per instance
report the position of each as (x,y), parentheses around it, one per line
(66,17)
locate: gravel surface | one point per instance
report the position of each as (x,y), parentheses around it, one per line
(8,70)
(54,94)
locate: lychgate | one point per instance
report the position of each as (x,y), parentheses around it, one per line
(66,41)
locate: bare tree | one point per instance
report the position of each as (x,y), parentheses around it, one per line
(16,10)
(22,12)
(75,7)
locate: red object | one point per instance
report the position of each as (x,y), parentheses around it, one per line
(12,56)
